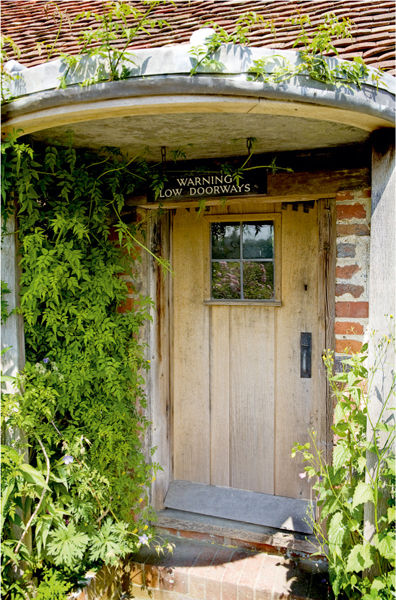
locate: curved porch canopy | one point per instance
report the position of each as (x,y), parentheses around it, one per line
(209,114)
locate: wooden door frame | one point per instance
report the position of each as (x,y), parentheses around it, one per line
(157,285)
(159,338)
(326,291)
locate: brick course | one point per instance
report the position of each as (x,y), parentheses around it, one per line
(353,229)
(352,308)
(346,250)
(350,211)
(348,328)
(348,346)
(126,306)
(347,288)
(346,272)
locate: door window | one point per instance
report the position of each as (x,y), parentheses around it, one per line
(242,260)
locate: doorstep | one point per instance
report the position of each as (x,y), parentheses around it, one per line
(235,533)
(201,570)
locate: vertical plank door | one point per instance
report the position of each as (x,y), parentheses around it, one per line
(239,403)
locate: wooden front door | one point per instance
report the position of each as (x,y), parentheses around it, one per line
(239,400)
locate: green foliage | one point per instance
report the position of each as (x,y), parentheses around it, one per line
(4,303)
(358,567)
(7,44)
(203,56)
(108,41)
(22,486)
(315,47)
(51,47)
(52,587)
(108,35)
(75,487)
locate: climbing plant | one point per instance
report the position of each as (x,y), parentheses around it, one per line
(314,44)
(75,485)
(116,26)
(359,567)
(108,33)
(314,47)
(203,55)
(7,48)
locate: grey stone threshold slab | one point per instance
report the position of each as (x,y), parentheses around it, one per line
(279,512)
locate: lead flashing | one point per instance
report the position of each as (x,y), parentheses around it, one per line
(166,72)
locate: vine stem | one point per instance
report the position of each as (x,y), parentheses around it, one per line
(117,168)
(334,491)
(33,516)
(160,260)
(52,47)
(129,39)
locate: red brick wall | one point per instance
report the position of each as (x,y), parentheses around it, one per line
(352,270)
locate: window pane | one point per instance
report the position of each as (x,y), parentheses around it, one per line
(258,280)
(225,240)
(226,281)
(258,240)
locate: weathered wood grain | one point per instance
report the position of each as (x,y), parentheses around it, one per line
(239,402)
(156,284)
(326,309)
(235,531)
(252,398)
(297,399)
(191,418)
(219,395)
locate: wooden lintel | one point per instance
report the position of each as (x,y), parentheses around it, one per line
(260,199)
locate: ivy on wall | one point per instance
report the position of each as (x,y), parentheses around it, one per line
(83,494)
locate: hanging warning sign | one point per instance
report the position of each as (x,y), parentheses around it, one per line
(198,185)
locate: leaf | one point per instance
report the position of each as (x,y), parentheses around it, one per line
(363,493)
(391,514)
(336,529)
(32,475)
(67,545)
(6,493)
(391,464)
(339,413)
(9,551)
(359,558)
(385,544)
(341,455)
(43,527)
(377,585)
(361,463)
(109,544)
(328,503)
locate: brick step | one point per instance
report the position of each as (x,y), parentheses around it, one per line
(198,570)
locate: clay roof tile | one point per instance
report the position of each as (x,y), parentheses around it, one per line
(32,21)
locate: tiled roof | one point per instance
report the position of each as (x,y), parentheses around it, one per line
(28,22)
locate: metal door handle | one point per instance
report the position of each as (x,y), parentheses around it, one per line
(305,354)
